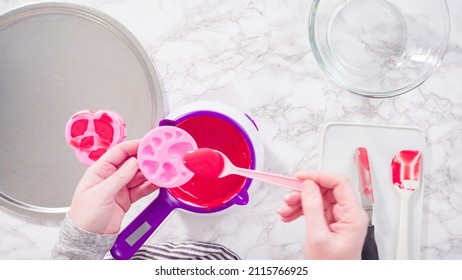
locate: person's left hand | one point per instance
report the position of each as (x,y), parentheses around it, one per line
(107,190)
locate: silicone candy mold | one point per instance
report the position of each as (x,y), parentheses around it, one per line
(92,133)
(160,156)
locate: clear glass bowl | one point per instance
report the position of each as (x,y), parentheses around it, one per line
(379,48)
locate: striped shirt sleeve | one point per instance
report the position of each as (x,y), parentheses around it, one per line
(76,243)
(189,250)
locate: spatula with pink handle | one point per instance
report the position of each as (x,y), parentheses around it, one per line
(211,163)
(406,173)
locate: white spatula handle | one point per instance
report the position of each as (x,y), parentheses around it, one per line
(402,250)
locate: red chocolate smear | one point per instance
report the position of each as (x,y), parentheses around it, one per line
(105,117)
(406,166)
(86,142)
(95,155)
(364,176)
(104,130)
(75,143)
(78,128)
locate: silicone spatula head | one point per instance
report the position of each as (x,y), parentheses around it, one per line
(406,168)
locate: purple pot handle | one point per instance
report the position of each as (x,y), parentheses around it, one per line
(143,226)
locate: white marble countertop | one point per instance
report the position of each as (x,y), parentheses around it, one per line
(255,55)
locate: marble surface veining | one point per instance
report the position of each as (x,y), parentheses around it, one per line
(255,55)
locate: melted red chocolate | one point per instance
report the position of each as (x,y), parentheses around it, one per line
(103,129)
(79,127)
(214,133)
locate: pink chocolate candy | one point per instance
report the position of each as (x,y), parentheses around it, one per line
(160,156)
(92,133)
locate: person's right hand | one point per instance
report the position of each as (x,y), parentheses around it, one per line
(336,225)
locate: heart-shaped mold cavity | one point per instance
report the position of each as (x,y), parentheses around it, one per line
(169,173)
(151,167)
(178,134)
(105,117)
(148,151)
(87,142)
(79,127)
(177,150)
(104,130)
(95,155)
(168,136)
(156,142)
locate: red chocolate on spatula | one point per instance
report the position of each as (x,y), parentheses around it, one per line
(406,167)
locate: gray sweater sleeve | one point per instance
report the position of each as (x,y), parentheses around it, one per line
(74,243)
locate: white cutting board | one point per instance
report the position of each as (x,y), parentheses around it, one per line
(339,142)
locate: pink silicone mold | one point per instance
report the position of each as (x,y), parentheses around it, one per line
(92,133)
(160,156)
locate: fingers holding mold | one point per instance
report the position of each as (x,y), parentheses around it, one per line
(160,156)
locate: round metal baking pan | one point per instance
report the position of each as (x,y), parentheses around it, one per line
(57,59)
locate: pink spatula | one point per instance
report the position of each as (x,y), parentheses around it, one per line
(406,174)
(211,163)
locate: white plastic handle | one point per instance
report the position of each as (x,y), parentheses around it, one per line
(402,250)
